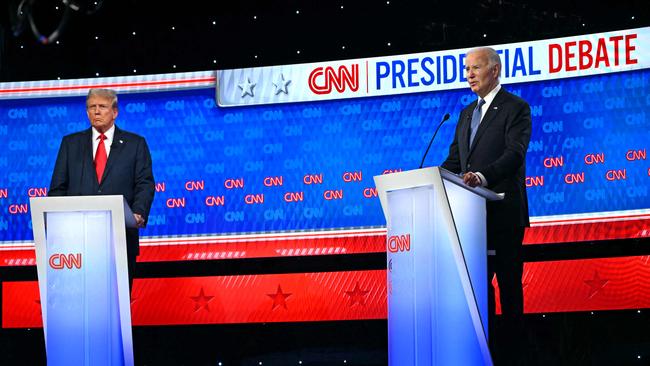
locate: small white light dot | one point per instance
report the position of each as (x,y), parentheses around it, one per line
(583,24)
(342,47)
(174,66)
(214,61)
(484,35)
(173,28)
(134,70)
(297,11)
(341,6)
(58,78)
(638,311)
(255,56)
(56,7)
(254,17)
(387,2)
(345,361)
(388,44)
(133,33)
(21,46)
(95,3)
(57,42)
(543,315)
(214,22)
(592,313)
(96,37)
(260,363)
(638,357)
(219,363)
(633,19)
(299,362)
(96,74)
(298,52)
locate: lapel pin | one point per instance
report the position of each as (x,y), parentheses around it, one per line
(495,108)
(121,142)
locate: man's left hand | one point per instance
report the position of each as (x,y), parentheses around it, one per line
(139,220)
(471,179)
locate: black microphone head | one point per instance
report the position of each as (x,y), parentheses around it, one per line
(446,117)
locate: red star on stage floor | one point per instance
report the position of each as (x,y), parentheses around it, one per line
(201,301)
(596,284)
(357,295)
(279,298)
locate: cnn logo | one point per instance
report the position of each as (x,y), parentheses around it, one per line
(61,261)
(321,79)
(399,243)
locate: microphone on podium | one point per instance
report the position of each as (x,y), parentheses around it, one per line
(446,117)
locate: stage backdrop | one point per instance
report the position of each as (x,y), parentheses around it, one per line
(278,161)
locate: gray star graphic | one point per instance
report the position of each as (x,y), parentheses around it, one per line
(281,85)
(247,88)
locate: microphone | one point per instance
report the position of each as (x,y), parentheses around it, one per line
(446,117)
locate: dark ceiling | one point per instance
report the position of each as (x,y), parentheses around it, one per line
(126,37)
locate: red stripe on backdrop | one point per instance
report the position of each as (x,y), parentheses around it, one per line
(611,230)
(555,286)
(163,250)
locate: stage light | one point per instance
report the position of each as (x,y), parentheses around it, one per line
(298,52)
(134,70)
(254,17)
(174,66)
(297,11)
(173,28)
(388,44)
(96,37)
(96,74)
(133,33)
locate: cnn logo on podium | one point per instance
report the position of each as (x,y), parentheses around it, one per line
(399,243)
(62,261)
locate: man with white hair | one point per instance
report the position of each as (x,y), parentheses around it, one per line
(489,149)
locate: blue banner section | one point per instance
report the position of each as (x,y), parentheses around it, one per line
(310,165)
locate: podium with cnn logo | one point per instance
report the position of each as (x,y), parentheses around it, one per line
(83,278)
(437,268)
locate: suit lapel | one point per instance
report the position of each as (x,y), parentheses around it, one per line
(116,150)
(492,112)
(87,161)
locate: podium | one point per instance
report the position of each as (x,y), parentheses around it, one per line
(83,278)
(437,268)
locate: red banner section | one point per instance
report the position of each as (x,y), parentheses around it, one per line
(567,231)
(301,297)
(556,286)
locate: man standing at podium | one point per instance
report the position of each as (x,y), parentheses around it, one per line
(105,160)
(489,149)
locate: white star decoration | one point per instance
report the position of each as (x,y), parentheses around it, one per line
(247,88)
(281,85)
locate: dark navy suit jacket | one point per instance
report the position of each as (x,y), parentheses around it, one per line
(499,153)
(128,173)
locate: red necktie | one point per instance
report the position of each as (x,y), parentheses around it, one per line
(100,158)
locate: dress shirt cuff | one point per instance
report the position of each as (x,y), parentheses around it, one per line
(484,181)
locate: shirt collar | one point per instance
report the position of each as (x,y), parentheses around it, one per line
(491,95)
(109,134)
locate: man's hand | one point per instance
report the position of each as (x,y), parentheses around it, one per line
(139,220)
(471,179)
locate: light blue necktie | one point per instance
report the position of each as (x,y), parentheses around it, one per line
(476,120)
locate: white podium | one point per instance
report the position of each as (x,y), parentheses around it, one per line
(83,278)
(437,268)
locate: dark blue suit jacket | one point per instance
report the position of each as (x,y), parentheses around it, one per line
(499,153)
(128,172)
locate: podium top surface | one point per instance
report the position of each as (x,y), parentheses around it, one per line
(84,203)
(425,176)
